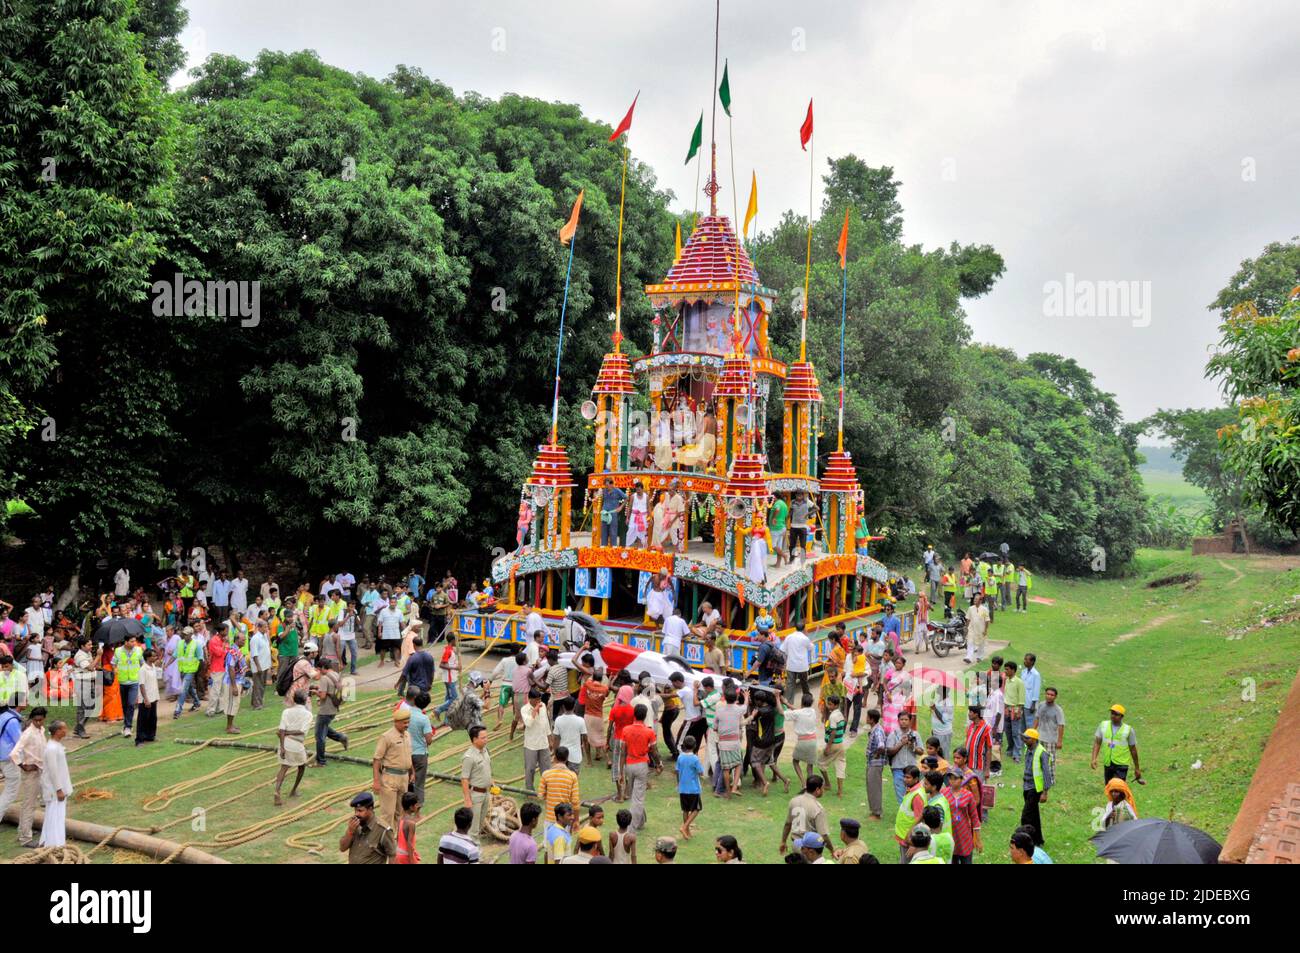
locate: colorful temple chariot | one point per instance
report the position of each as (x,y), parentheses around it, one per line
(707,384)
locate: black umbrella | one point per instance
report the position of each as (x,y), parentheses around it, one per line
(114,631)
(993,556)
(1153,841)
(593,627)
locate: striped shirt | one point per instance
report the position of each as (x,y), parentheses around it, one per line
(709,703)
(965,820)
(979,744)
(835,724)
(559,785)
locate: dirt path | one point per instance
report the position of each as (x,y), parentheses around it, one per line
(1146,627)
(1238,575)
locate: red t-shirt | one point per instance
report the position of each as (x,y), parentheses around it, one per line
(621,716)
(217,650)
(638,739)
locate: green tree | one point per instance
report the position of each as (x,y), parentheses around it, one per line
(86,171)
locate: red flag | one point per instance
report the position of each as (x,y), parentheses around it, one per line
(805,131)
(626,124)
(843,246)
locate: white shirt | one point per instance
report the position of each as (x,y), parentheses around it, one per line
(239,593)
(259,651)
(675,629)
(569,729)
(798,652)
(803,723)
(54,773)
(149,684)
(35,620)
(534,623)
(121,582)
(690,710)
(711,617)
(532,652)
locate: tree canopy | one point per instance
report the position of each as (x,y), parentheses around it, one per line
(387,394)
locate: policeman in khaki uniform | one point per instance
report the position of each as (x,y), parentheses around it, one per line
(393,768)
(476,778)
(367,840)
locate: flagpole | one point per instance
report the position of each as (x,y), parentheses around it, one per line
(844,299)
(559,345)
(807,271)
(713,117)
(618,273)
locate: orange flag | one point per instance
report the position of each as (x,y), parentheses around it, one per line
(571,226)
(843,246)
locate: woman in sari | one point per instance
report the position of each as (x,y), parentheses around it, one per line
(897,688)
(112,708)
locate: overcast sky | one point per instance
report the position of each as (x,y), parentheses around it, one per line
(1146,142)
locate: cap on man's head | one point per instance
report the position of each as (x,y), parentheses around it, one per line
(364,799)
(850,826)
(1031,733)
(403,713)
(812,840)
(588,835)
(1117,709)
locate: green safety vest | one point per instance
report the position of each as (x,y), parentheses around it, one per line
(128,666)
(1040,767)
(11,685)
(945,809)
(928,860)
(904,821)
(1114,745)
(187,658)
(950,582)
(187,587)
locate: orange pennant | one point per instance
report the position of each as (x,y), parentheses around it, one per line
(571,226)
(843,246)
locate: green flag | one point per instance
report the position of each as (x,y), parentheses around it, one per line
(724,91)
(697,137)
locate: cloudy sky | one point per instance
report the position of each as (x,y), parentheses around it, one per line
(1153,143)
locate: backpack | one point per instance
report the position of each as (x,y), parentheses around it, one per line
(285,679)
(775,659)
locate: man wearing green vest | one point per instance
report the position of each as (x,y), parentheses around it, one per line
(127,660)
(1117,744)
(910,808)
(1038,781)
(949,592)
(188,657)
(932,784)
(1024,582)
(13,684)
(918,850)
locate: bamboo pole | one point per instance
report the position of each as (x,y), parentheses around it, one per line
(155,847)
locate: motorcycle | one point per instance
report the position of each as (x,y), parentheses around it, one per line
(946,636)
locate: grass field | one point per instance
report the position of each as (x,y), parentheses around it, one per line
(1202,680)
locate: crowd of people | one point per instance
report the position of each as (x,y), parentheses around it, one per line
(717,732)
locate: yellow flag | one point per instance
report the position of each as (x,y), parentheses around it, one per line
(752,210)
(677,253)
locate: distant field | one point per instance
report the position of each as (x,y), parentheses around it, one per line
(1172,487)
